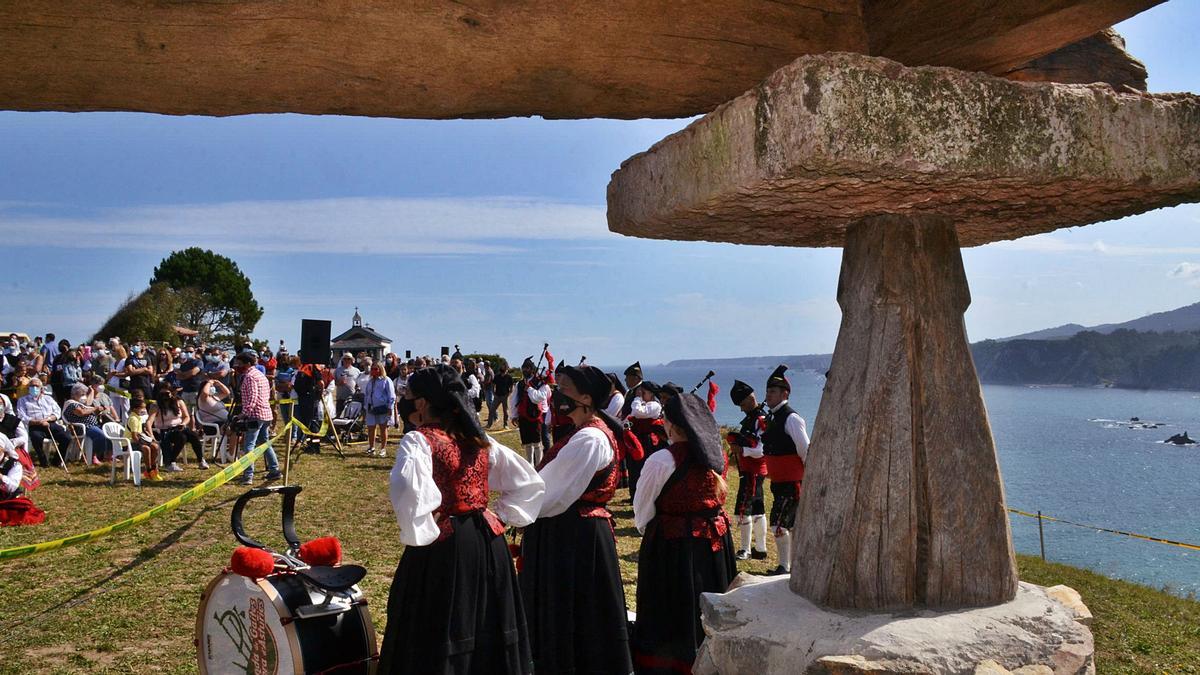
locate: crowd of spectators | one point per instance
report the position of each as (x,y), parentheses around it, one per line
(53,394)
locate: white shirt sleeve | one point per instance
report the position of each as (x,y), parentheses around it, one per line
(472,386)
(655,472)
(413,493)
(615,405)
(512,404)
(567,477)
(521,488)
(540,395)
(755,452)
(12,479)
(794,426)
(645,409)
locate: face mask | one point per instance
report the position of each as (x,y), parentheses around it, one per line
(34,391)
(562,403)
(135,351)
(187,355)
(406,407)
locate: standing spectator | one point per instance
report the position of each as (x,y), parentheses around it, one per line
(140,372)
(191,378)
(80,410)
(48,351)
(488,382)
(71,373)
(102,401)
(174,425)
(474,388)
(41,416)
(504,387)
(379,399)
(118,383)
(346,378)
(256,415)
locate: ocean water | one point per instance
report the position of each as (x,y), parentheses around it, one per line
(1071,454)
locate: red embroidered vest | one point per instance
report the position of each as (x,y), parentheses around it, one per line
(463,484)
(591,504)
(651,433)
(690,505)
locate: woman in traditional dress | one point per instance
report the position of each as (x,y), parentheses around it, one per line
(454,605)
(645,419)
(686,548)
(570,580)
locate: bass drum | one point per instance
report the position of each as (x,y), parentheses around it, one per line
(247,626)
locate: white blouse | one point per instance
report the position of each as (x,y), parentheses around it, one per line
(414,495)
(615,404)
(567,477)
(650,410)
(655,472)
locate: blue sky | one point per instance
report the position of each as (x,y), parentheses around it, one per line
(491,234)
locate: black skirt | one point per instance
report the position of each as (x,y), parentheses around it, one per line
(455,607)
(672,573)
(572,589)
(530,430)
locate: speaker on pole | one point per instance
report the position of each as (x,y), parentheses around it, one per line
(314,341)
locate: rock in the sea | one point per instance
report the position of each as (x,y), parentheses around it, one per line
(1069,597)
(764,628)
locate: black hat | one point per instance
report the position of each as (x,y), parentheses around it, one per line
(589,380)
(740,391)
(528,362)
(691,414)
(457,354)
(777,379)
(671,389)
(635,369)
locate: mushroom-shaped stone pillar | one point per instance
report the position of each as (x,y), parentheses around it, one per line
(902,503)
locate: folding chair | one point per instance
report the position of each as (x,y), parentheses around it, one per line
(123,448)
(351,420)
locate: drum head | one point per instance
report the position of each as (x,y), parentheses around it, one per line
(239,629)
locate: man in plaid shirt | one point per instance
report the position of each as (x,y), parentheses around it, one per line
(256,415)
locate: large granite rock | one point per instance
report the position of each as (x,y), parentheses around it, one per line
(488,58)
(761,627)
(1097,58)
(829,140)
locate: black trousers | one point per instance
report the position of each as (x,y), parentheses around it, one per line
(175,438)
(37,436)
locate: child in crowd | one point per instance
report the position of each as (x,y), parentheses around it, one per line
(139,434)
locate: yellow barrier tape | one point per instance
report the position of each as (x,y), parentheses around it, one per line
(116,390)
(1135,535)
(197,491)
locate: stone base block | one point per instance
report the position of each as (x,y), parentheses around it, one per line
(762,627)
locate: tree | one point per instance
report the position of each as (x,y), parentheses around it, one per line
(214,295)
(151,316)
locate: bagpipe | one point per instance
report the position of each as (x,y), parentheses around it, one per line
(713,390)
(300,611)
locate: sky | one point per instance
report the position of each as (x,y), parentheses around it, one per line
(491,234)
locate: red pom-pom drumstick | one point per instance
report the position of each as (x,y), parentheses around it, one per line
(252,562)
(325,551)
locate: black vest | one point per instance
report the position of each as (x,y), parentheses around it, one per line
(775,439)
(627,406)
(749,431)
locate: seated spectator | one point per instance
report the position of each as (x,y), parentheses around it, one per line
(101,400)
(137,430)
(210,407)
(15,506)
(80,409)
(41,416)
(173,426)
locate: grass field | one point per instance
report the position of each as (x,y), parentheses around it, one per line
(127,603)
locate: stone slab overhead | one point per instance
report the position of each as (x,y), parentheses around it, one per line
(489,58)
(828,140)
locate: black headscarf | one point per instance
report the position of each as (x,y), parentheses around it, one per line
(616,383)
(443,387)
(692,415)
(592,381)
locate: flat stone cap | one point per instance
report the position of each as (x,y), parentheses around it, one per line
(830,139)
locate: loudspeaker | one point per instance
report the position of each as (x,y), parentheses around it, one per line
(314,341)
(407,353)
(445,351)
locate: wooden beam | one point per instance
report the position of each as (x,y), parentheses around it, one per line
(487,58)
(902,503)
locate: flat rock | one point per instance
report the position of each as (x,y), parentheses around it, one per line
(1069,597)
(488,58)
(829,140)
(764,628)
(1096,58)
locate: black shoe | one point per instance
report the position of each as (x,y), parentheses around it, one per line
(742,555)
(779,570)
(758,555)
(274,475)
(245,481)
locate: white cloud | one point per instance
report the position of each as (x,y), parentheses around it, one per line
(1188,271)
(1047,243)
(417,226)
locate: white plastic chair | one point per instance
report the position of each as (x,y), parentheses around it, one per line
(122,447)
(211,433)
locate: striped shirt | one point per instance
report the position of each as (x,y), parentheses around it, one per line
(256,395)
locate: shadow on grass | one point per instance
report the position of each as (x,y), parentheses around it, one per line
(144,556)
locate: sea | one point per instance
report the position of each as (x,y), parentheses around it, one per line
(1071,453)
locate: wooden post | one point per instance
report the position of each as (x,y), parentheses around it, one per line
(902,503)
(287,461)
(1041,537)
